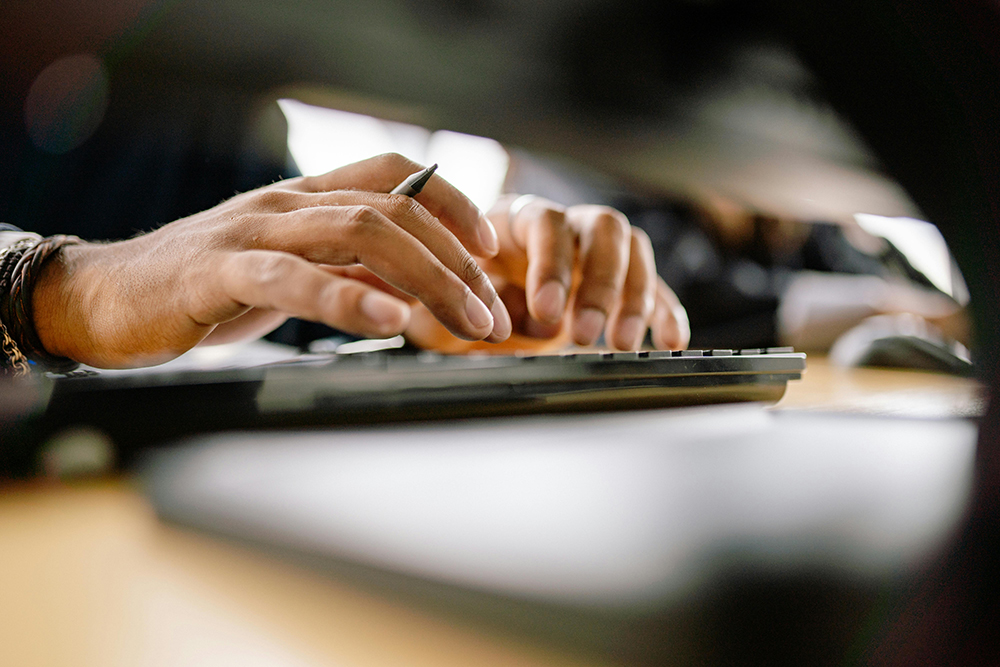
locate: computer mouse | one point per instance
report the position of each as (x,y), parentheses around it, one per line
(901,341)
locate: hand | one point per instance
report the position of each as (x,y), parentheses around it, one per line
(241,268)
(570,274)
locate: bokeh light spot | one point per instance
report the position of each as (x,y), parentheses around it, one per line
(66,103)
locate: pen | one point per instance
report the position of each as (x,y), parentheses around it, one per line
(415,182)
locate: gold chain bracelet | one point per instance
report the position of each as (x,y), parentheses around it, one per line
(13,362)
(18,363)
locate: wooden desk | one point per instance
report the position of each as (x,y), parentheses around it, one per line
(883,392)
(88,576)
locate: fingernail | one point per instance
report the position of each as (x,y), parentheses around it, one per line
(630,331)
(488,236)
(550,301)
(588,325)
(477,312)
(383,310)
(502,326)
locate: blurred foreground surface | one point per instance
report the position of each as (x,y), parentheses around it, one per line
(90,577)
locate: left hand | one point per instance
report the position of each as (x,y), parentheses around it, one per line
(569,274)
(242,267)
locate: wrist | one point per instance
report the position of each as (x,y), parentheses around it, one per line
(57,302)
(21,264)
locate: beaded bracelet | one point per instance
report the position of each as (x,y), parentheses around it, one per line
(20,266)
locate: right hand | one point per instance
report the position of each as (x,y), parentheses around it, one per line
(570,274)
(240,269)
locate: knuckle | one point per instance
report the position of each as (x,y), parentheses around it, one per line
(612,225)
(243,230)
(271,199)
(551,217)
(307,183)
(360,219)
(641,237)
(440,298)
(400,206)
(470,272)
(394,160)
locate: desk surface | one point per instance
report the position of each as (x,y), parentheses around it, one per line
(90,577)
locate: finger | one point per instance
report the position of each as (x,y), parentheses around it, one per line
(426,332)
(513,300)
(249,326)
(628,324)
(542,231)
(364,275)
(362,235)
(444,201)
(605,246)
(671,329)
(410,216)
(289,284)
(524,325)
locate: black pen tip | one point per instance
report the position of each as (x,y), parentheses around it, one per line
(419,184)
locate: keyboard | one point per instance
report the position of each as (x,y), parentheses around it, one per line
(376,387)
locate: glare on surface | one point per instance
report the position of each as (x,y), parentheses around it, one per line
(600,510)
(322,139)
(923,245)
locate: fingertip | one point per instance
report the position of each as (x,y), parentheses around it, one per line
(388,314)
(671,330)
(664,339)
(683,326)
(479,315)
(588,325)
(488,238)
(502,325)
(629,333)
(549,303)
